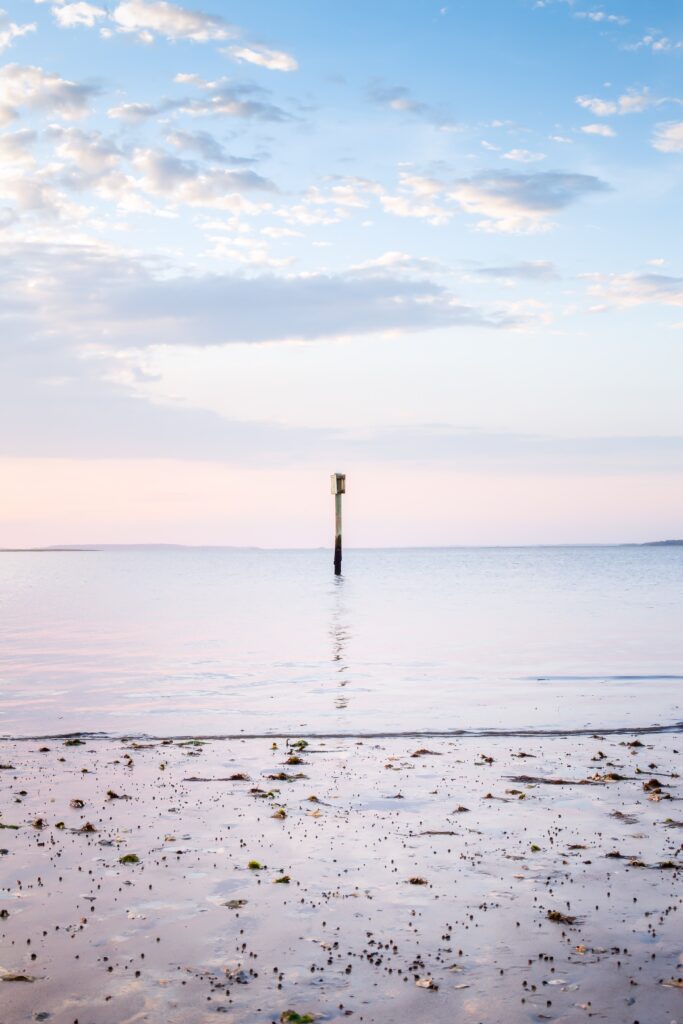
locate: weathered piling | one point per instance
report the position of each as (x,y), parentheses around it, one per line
(338,488)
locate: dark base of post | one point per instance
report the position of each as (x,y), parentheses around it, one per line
(337,556)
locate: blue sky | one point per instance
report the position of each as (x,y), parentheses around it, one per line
(433,244)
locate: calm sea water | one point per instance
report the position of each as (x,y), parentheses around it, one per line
(216,641)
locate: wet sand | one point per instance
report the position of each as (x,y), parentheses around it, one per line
(493,879)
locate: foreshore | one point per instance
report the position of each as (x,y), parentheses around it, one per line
(483,879)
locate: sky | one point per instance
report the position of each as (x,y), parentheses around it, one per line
(433,245)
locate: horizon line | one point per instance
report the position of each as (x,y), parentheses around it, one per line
(136,545)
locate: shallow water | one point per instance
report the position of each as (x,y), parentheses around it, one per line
(219,641)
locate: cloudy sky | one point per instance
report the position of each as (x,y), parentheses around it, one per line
(432,243)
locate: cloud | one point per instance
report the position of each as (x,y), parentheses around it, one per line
(274,60)
(183,182)
(141,179)
(78,296)
(523,156)
(522,203)
(349,192)
(668,137)
(656,42)
(418,196)
(64,300)
(532,270)
(207,146)
(221,98)
(92,153)
(335,200)
(626,290)
(15,149)
(397,262)
(70,15)
(64,303)
(401,100)
(396,97)
(602,18)
(9,30)
(599,129)
(406,206)
(630,102)
(150,18)
(35,89)
(133,113)
(226,98)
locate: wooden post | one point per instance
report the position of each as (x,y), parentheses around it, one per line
(338,488)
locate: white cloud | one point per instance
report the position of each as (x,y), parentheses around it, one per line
(9,30)
(527,270)
(204,144)
(274,60)
(219,98)
(149,18)
(407,206)
(36,89)
(599,129)
(396,97)
(133,113)
(630,102)
(634,102)
(31,189)
(335,200)
(15,149)
(417,197)
(397,262)
(348,192)
(91,152)
(523,156)
(522,203)
(420,185)
(668,137)
(657,43)
(602,108)
(278,233)
(307,216)
(182,182)
(69,15)
(224,97)
(627,290)
(400,99)
(602,18)
(75,295)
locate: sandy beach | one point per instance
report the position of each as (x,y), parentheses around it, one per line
(483,879)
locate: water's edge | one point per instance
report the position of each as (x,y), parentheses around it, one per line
(638,730)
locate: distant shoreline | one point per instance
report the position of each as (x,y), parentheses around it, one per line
(92,548)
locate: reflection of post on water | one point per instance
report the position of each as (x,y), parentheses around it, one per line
(339,633)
